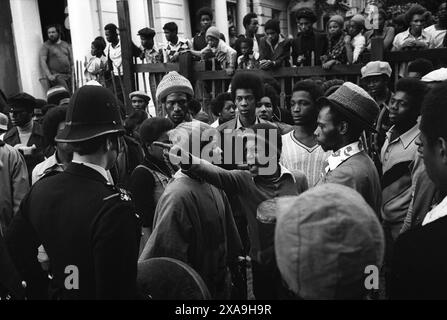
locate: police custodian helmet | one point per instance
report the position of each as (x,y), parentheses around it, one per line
(93,111)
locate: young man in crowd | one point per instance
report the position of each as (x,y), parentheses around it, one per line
(251,24)
(300,147)
(223,108)
(343,116)
(375,77)
(274,49)
(438,30)
(205,16)
(400,162)
(415,37)
(140,101)
(86,225)
(56,59)
(149,53)
(308,41)
(175,46)
(419,256)
(26,134)
(175,92)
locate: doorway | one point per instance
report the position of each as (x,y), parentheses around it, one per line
(55,12)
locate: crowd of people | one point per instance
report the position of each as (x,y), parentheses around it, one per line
(263,202)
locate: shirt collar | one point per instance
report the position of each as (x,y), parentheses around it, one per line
(239,124)
(97,168)
(408,35)
(436,213)
(343,154)
(280,39)
(408,137)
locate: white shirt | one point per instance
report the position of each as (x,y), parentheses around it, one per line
(400,39)
(115,55)
(436,213)
(297,156)
(343,154)
(49,164)
(437,36)
(358,43)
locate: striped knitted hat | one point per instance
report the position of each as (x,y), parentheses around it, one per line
(173,82)
(354,103)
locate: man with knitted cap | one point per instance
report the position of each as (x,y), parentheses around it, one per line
(175,92)
(218,49)
(333,262)
(343,116)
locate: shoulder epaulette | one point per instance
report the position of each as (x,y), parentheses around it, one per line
(123,194)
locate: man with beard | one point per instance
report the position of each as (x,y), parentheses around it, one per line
(87,226)
(175,92)
(308,40)
(26,134)
(300,149)
(343,116)
(56,59)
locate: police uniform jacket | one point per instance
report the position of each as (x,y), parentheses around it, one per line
(89,231)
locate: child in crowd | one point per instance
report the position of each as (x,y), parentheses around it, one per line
(95,67)
(248,59)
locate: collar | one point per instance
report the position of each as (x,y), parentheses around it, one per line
(99,169)
(118,45)
(280,39)
(343,154)
(240,126)
(179,42)
(406,138)
(407,34)
(436,213)
(283,171)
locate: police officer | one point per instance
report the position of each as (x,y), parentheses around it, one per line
(87,226)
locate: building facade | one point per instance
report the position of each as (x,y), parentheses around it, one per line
(22,24)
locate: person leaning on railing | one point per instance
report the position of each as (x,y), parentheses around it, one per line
(221,51)
(336,53)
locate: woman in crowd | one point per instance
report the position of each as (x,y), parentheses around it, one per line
(337,49)
(148,180)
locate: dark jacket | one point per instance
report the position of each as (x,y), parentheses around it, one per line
(420,262)
(359,173)
(279,55)
(305,44)
(12,138)
(10,280)
(81,221)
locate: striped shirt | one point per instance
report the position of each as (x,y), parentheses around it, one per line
(297,156)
